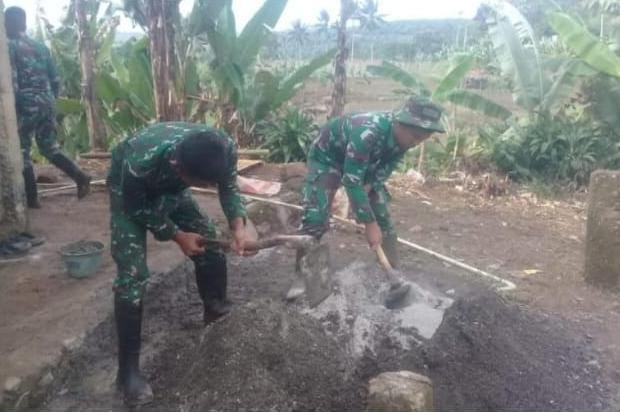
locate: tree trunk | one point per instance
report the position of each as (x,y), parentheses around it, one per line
(162,58)
(96,129)
(176,104)
(340,64)
(12,201)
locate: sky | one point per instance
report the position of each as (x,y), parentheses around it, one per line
(305,10)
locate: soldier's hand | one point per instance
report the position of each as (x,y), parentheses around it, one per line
(373,235)
(240,237)
(191,244)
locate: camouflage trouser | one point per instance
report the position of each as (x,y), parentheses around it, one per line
(38,120)
(319,189)
(128,245)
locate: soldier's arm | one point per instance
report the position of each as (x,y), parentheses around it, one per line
(52,74)
(354,171)
(229,193)
(143,210)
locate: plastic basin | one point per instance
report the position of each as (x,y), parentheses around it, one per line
(82,259)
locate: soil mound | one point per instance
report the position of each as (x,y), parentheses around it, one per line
(266,357)
(494,356)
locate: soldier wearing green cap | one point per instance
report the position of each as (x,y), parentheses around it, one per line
(360,152)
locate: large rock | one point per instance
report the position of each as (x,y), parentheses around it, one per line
(402,391)
(602,263)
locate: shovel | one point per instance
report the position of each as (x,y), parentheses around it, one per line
(314,265)
(398,289)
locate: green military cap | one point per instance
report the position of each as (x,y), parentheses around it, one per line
(421,112)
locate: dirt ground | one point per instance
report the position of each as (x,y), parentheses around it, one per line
(550,345)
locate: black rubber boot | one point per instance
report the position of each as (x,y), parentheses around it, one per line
(30,181)
(212,279)
(136,390)
(81,179)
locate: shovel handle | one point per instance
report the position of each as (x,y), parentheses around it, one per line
(295,241)
(390,273)
(383,259)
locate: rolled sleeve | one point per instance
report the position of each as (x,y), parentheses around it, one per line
(228,190)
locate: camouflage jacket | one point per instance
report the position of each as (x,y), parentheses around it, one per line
(35,81)
(142,174)
(363,148)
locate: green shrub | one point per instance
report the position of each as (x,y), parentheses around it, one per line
(287,136)
(551,149)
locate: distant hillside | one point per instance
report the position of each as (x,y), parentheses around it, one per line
(396,40)
(393,40)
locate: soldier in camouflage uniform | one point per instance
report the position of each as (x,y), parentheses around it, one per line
(360,152)
(36,88)
(149,183)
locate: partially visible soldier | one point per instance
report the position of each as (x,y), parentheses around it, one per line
(149,182)
(35,83)
(360,152)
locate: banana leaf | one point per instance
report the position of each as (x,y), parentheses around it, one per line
(399,75)
(477,103)
(584,44)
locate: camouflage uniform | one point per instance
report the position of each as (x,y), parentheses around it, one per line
(35,83)
(359,152)
(146,193)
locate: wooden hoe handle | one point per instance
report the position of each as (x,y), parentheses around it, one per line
(383,258)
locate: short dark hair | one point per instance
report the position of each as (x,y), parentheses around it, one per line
(14,20)
(204,155)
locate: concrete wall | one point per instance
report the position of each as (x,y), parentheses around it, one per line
(12,202)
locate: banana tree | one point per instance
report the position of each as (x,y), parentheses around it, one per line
(126,91)
(235,55)
(539,83)
(605,96)
(448,88)
(85,12)
(81,48)
(269,91)
(159,18)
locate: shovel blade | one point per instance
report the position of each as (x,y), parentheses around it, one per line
(316,271)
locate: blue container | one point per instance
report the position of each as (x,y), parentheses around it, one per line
(82,259)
